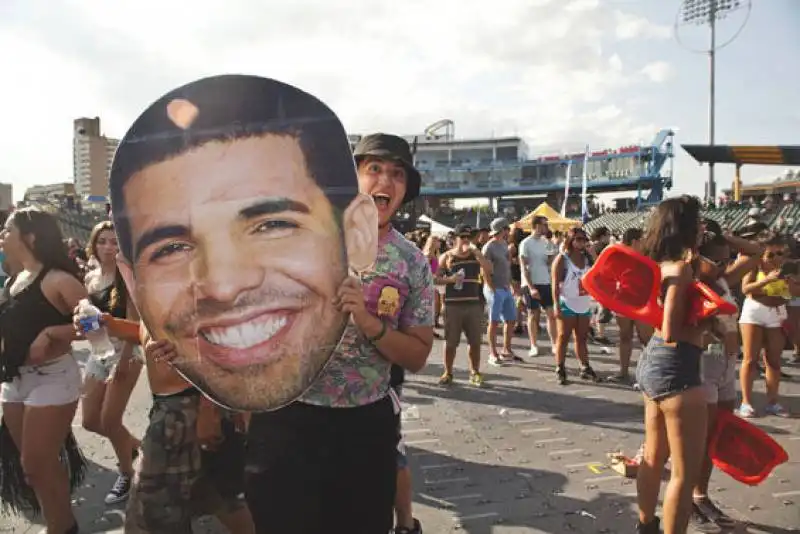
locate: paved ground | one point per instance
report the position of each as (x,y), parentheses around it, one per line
(521,455)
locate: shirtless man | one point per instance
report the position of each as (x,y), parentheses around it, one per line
(192,456)
(192,452)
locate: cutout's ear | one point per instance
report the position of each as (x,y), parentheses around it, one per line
(126,271)
(360,224)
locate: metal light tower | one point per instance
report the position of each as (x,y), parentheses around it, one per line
(708,12)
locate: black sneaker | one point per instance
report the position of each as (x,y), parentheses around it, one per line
(561,375)
(587,373)
(707,507)
(416,529)
(120,490)
(701,522)
(653,527)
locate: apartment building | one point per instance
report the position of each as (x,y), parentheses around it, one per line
(92,153)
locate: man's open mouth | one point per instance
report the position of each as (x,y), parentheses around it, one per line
(248,334)
(382,200)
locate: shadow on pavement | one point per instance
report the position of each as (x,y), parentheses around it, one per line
(561,406)
(482,496)
(92,513)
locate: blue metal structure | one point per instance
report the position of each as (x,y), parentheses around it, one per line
(633,168)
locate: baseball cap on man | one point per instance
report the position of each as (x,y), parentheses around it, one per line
(498,225)
(392,147)
(462,230)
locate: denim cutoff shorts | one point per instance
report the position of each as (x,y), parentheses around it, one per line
(665,369)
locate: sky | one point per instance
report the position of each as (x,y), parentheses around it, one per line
(559,73)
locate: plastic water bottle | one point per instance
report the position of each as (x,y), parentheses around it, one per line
(459,285)
(89,318)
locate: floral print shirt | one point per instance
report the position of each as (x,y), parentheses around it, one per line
(399,290)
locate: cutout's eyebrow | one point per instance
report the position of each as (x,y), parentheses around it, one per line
(271,206)
(157,234)
(263,207)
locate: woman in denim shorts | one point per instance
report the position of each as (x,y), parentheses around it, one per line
(669,373)
(109,382)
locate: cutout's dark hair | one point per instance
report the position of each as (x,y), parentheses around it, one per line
(232,107)
(48,241)
(673,229)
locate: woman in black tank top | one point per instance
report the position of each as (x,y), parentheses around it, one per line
(41,379)
(108,384)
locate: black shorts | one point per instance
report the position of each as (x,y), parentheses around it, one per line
(544,299)
(402,456)
(313,469)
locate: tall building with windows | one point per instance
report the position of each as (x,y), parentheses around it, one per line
(92,153)
(6,197)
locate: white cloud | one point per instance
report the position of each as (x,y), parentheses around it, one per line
(545,69)
(629,26)
(658,71)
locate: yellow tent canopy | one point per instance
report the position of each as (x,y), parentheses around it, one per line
(554,219)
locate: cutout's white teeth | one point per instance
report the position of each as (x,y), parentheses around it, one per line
(245,335)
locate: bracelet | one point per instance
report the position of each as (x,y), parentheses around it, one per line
(380,334)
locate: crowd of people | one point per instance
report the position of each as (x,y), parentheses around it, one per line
(335,458)
(681,370)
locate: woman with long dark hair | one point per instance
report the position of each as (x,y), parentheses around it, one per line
(669,373)
(108,383)
(572,304)
(41,379)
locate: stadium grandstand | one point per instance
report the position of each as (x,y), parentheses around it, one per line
(773,204)
(515,183)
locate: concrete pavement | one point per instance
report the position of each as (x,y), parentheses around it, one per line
(520,455)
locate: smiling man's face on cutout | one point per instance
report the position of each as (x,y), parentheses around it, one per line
(237,256)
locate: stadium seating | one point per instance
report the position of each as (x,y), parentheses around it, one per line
(74,224)
(731,217)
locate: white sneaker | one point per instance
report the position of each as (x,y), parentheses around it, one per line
(495,361)
(534,351)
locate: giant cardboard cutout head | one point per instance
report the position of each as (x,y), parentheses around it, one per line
(236,204)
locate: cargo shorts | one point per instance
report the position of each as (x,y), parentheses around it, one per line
(176,480)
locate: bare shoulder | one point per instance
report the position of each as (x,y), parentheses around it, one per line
(58,279)
(676,271)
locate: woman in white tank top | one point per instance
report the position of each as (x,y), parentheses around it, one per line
(572,303)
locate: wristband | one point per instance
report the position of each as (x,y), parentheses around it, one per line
(380,334)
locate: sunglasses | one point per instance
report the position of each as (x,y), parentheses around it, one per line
(773,254)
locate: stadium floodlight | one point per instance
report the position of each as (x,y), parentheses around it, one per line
(708,12)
